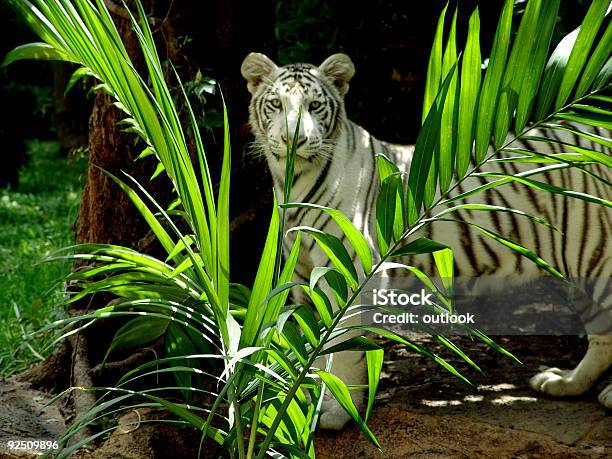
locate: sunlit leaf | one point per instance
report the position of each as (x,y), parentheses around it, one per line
(487,103)
(468,95)
(342,395)
(374,359)
(584,41)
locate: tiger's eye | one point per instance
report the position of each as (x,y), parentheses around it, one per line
(276,103)
(315,104)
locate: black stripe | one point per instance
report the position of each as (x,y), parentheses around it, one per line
(517,230)
(492,253)
(316,221)
(320,179)
(258,111)
(299,274)
(564,228)
(311,245)
(496,221)
(467,243)
(557,147)
(504,167)
(597,255)
(531,147)
(584,233)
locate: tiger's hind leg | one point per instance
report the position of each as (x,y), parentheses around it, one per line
(561,383)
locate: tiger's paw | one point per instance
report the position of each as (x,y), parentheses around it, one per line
(605,397)
(558,383)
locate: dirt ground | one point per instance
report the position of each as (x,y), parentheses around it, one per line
(421,412)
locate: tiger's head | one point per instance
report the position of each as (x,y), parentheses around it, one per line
(278,93)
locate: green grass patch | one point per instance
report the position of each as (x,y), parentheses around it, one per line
(34,221)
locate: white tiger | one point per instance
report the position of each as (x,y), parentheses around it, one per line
(335,167)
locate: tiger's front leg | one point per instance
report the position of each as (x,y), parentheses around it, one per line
(597,319)
(349,366)
(563,383)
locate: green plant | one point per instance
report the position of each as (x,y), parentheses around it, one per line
(200,88)
(259,406)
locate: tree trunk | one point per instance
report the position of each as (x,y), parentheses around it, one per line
(223,32)
(106,215)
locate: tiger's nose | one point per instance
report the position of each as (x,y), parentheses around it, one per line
(301,140)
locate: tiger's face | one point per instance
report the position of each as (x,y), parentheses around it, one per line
(281,95)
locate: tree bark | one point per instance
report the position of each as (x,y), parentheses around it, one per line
(223,33)
(106,215)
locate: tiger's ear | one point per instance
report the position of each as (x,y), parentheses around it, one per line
(255,68)
(340,68)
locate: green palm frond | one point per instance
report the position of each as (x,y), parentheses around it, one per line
(520,88)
